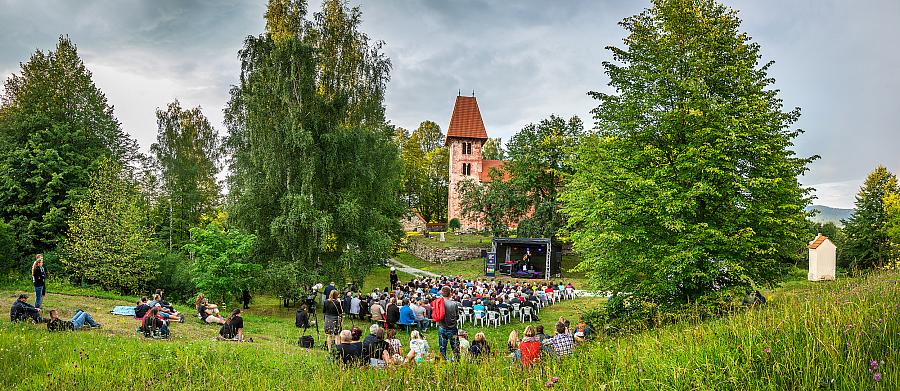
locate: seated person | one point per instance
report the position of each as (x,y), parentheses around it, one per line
(21,310)
(421,314)
(562,343)
(164,312)
(582,332)
(479,347)
(379,352)
(142,308)
(479,307)
(407,317)
(418,348)
(78,321)
(153,326)
(349,351)
(208,312)
(530,347)
(233,329)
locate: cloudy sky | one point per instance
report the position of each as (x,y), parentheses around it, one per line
(837,60)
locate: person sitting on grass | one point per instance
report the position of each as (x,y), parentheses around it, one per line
(142,308)
(379,352)
(165,310)
(530,347)
(480,347)
(464,344)
(21,310)
(562,343)
(78,321)
(153,326)
(418,348)
(512,343)
(349,351)
(396,346)
(582,332)
(233,329)
(207,311)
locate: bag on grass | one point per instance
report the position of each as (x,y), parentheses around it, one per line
(306,341)
(227,331)
(437,310)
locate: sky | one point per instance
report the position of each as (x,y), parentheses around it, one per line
(524,60)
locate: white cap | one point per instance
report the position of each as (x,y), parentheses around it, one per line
(393,269)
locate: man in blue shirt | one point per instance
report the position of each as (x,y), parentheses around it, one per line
(407,317)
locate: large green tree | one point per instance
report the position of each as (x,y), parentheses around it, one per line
(222,266)
(688,186)
(315,174)
(55,124)
(868,244)
(537,168)
(493,149)
(187,150)
(108,236)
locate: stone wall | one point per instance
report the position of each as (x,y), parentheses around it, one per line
(440,255)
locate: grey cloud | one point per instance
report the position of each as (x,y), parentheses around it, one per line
(525,59)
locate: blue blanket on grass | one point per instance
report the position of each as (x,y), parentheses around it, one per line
(123,310)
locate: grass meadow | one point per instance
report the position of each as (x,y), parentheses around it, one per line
(836,335)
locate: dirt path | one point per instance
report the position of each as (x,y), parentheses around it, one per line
(410,270)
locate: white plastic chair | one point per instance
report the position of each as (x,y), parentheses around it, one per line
(493,317)
(479,317)
(504,315)
(526,311)
(466,314)
(516,309)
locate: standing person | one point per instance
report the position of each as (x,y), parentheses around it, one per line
(332,311)
(394,279)
(245,297)
(447,327)
(355,305)
(38,277)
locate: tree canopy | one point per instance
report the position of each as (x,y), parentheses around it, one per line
(55,125)
(314,170)
(688,186)
(868,242)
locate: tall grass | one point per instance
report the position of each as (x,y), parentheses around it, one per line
(812,336)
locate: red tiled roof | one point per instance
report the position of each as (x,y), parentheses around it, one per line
(466,119)
(819,240)
(487,165)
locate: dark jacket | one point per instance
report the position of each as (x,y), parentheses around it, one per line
(393,313)
(22,311)
(39,275)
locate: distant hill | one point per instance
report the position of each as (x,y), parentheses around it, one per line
(827,213)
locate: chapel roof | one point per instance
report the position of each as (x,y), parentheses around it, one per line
(818,241)
(466,122)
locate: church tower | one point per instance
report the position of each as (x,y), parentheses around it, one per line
(465,138)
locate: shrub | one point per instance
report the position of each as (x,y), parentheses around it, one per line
(221,261)
(174,275)
(454,224)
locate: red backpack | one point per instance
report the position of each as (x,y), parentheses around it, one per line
(437,310)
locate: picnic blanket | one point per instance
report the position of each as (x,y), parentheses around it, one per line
(123,310)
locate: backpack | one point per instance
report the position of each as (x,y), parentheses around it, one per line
(227,331)
(437,310)
(306,341)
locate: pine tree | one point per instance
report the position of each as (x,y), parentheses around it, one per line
(868,244)
(55,124)
(688,187)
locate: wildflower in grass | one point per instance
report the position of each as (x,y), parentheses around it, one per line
(549,384)
(873,364)
(877,376)
(554,379)
(767,350)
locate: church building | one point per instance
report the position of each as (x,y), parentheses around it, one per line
(466,136)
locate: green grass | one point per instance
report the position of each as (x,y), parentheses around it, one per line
(809,336)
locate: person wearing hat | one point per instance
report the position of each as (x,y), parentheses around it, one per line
(21,310)
(394,279)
